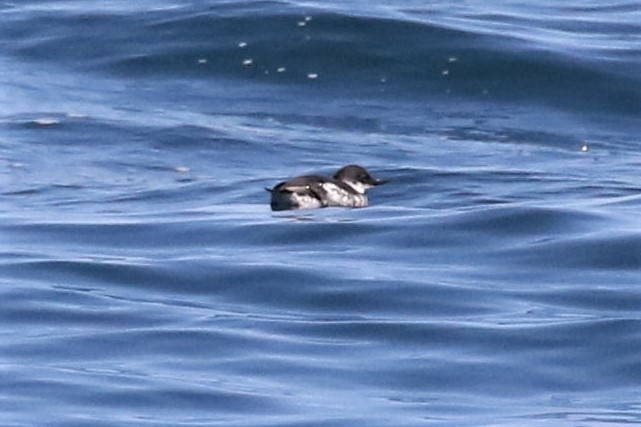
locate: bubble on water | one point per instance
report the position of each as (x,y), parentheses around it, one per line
(452,59)
(202,61)
(445,72)
(242,44)
(585,147)
(312,76)
(281,69)
(248,62)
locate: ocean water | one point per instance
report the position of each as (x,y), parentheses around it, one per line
(494,281)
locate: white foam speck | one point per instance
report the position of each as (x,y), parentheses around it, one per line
(281,69)
(46,121)
(312,76)
(242,44)
(248,62)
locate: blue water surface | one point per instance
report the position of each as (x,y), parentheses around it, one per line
(494,281)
